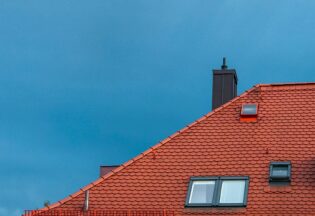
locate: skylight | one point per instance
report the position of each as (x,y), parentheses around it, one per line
(217,191)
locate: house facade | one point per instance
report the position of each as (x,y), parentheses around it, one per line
(253,154)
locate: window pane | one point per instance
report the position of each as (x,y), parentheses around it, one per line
(202,192)
(278,171)
(232,191)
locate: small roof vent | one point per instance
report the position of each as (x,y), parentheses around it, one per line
(249,112)
(280,171)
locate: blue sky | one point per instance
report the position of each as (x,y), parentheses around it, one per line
(85,83)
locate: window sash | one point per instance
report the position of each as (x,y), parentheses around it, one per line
(202,192)
(228,193)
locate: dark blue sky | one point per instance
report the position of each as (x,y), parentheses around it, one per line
(85,83)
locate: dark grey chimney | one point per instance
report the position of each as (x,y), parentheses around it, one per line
(107,169)
(224,85)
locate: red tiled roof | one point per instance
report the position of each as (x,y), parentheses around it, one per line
(219,144)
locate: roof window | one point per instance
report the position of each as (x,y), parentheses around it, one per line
(280,171)
(217,191)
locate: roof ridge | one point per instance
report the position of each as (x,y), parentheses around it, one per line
(142,154)
(285,84)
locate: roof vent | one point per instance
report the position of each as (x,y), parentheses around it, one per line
(249,112)
(86,200)
(280,171)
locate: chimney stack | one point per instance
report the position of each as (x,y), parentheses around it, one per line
(107,169)
(224,87)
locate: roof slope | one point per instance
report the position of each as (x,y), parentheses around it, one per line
(219,144)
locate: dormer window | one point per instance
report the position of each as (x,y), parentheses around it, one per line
(217,191)
(280,171)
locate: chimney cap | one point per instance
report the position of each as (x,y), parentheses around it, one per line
(224,66)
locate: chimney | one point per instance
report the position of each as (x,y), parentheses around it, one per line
(224,85)
(107,169)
